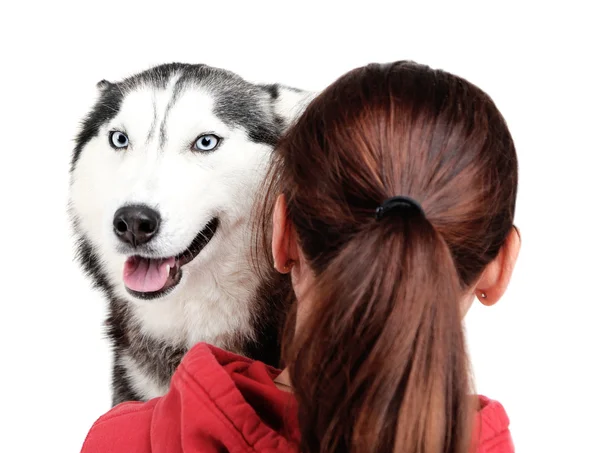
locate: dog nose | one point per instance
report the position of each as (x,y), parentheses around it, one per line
(136,225)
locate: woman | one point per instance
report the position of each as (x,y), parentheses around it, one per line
(395,195)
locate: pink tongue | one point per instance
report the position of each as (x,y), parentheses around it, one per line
(146,275)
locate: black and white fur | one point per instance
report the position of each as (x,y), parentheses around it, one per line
(220,299)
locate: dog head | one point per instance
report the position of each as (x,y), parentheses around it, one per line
(165,170)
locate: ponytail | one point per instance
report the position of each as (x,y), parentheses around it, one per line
(379,364)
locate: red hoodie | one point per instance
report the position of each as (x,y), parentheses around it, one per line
(221,402)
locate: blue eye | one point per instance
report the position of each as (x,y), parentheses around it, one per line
(118,140)
(206,142)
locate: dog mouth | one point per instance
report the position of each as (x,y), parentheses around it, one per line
(151,278)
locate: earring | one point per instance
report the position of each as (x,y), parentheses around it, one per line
(286,267)
(483,295)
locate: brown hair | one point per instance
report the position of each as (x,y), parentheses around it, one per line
(380,363)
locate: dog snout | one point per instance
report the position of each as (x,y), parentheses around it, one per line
(136,225)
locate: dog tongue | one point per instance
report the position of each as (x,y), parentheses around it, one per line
(146,275)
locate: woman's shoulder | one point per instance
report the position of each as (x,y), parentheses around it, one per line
(491,432)
(219,401)
(206,409)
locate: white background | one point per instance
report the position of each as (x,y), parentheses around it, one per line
(536,351)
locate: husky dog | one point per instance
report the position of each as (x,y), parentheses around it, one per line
(164,174)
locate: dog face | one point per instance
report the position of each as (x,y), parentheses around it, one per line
(165,171)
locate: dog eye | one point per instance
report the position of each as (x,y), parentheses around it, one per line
(206,142)
(118,140)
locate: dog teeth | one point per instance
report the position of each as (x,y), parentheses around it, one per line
(168,269)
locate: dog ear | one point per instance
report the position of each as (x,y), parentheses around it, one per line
(103,85)
(287,102)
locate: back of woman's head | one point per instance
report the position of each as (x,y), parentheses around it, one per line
(379,364)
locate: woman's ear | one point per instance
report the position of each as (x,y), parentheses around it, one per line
(496,276)
(284,248)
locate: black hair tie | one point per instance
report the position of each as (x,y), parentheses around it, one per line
(395,203)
